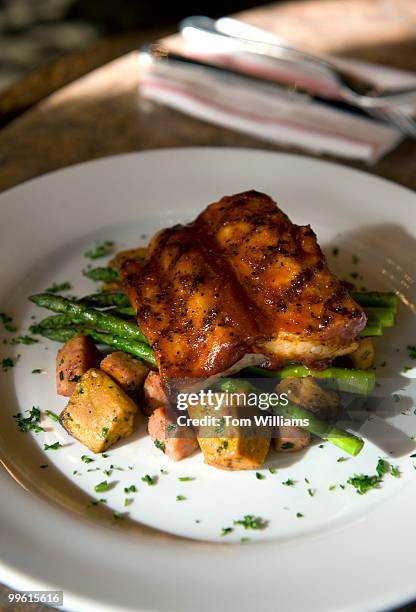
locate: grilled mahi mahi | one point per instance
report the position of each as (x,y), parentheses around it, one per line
(240,279)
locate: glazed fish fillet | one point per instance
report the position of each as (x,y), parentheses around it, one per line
(240,279)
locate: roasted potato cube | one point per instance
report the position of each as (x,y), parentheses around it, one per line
(153,393)
(179,444)
(307,393)
(363,357)
(76,356)
(244,453)
(234,446)
(290,439)
(98,413)
(128,372)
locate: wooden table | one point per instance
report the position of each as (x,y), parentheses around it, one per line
(103,113)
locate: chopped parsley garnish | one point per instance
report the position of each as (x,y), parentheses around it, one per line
(104,431)
(332,487)
(226,531)
(299,515)
(53,446)
(37,371)
(272,470)
(395,472)
(101,250)
(7,322)
(180,498)
(260,476)
(75,378)
(341,459)
(80,391)
(96,502)
(30,423)
(311,492)
(86,459)
(101,487)
(160,445)
(222,446)
(23,340)
(363,483)
(382,467)
(251,522)
(171,427)
(148,480)
(61,375)
(52,415)
(185,478)
(131,489)
(289,482)
(9,363)
(118,515)
(287,445)
(43,466)
(57,288)
(412,352)
(128,501)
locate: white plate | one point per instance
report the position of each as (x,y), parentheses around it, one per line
(348,552)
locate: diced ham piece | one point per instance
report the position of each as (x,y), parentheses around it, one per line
(175,448)
(289,439)
(76,357)
(153,393)
(129,373)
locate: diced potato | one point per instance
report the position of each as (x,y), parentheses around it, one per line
(308,393)
(117,262)
(77,355)
(98,413)
(244,453)
(233,446)
(177,445)
(290,439)
(128,372)
(153,393)
(363,357)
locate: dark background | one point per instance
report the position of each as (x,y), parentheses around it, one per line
(36,32)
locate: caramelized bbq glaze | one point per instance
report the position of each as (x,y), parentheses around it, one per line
(241,278)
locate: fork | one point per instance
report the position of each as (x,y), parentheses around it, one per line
(355,90)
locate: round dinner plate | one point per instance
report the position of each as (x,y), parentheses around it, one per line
(323,547)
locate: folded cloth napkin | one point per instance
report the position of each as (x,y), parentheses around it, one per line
(267,110)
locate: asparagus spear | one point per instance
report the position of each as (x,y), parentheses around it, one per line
(103,300)
(375,298)
(127,345)
(344,379)
(371,329)
(382,316)
(98,319)
(347,441)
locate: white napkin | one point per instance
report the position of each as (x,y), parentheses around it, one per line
(265,110)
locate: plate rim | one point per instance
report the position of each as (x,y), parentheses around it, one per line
(26,578)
